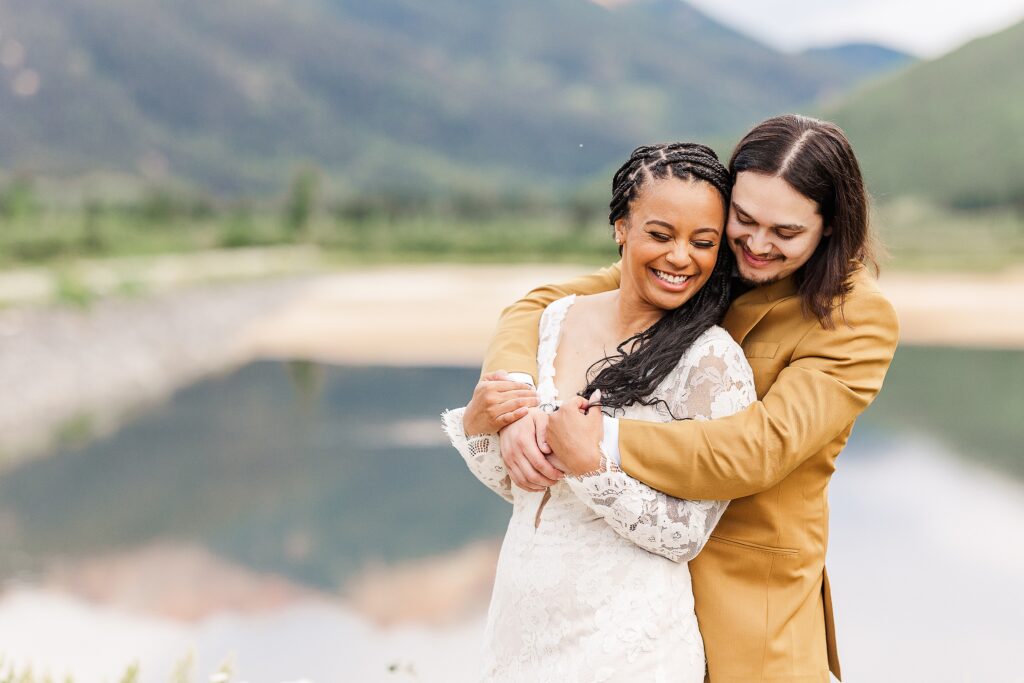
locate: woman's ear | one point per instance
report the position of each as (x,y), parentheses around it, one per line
(620,231)
(827,232)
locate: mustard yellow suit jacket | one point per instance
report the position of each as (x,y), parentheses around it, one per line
(762,595)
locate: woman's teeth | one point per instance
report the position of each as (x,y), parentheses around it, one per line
(671,279)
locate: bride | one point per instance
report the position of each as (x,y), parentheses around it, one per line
(592,581)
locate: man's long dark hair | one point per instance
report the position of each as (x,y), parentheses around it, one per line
(644,360)
(816,158)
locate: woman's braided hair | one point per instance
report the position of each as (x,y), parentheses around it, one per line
(643,361)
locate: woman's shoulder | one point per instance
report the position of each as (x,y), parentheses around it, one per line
(716,348)
(555,312)
(716,364)
(715,340)
(584,306)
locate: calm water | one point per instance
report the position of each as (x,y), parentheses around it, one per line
(315,472)
(347,465)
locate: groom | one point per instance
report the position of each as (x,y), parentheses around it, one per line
(819,337)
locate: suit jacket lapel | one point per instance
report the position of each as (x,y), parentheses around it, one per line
(749,308)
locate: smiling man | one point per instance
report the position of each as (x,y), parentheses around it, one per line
(819,337)
(774,229)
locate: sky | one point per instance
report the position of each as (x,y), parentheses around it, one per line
(927,28)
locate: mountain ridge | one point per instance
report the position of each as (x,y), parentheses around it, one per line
(233,95)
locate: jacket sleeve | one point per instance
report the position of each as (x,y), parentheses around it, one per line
(833,375)
(514,345)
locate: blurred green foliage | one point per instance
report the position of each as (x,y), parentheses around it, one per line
(300,205)
(406,226)
(419,227)
(921,235)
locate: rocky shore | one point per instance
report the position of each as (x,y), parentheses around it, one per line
(69,374)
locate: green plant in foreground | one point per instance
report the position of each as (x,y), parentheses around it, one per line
(184,672)
(72,291)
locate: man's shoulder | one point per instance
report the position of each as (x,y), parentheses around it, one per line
(865,299)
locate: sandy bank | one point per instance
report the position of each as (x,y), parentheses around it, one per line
(444,314)
(72,374)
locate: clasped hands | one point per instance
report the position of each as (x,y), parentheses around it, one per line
(538,448)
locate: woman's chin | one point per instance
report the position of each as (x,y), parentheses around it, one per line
(667,301)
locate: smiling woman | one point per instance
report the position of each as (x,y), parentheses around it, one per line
(586,558)
(669,241)
(668,206)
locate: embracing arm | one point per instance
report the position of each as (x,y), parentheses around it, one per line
(717,383)
(514,345)
(833,376)
(674,528)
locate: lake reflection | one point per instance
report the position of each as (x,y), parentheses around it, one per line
(304,470)
(314,473)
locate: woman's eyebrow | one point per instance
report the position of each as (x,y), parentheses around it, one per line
(714,230)
(661,223)
(784,226)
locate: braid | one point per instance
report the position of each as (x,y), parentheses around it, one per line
(684,160)
(642,362)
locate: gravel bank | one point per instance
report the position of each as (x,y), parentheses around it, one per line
(69,373)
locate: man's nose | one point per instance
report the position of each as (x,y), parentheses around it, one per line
(759,243)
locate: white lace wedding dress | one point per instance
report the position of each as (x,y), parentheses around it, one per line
(592,581)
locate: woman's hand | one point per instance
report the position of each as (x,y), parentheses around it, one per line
(497,402)
(574,435)
(524,451)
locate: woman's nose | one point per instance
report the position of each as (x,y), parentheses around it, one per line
(680,256)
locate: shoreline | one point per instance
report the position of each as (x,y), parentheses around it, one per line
(74,374)
(445,314)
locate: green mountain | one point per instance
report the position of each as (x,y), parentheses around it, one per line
(233,94)
(949,130)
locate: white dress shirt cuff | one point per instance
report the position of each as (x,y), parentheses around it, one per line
(610,440)
(521,377)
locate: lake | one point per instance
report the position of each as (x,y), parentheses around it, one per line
(248,516)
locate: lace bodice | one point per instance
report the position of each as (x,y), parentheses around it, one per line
(583,590)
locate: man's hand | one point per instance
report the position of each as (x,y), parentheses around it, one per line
(574,434)
(524,450)
(497,402)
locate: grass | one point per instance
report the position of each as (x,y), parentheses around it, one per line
(919,236)
(922,236)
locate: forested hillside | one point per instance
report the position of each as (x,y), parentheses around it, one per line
(232,95)
(949,130)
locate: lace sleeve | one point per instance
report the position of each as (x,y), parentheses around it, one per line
(481,453)
(718,381)
(670,527)
(714,380)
